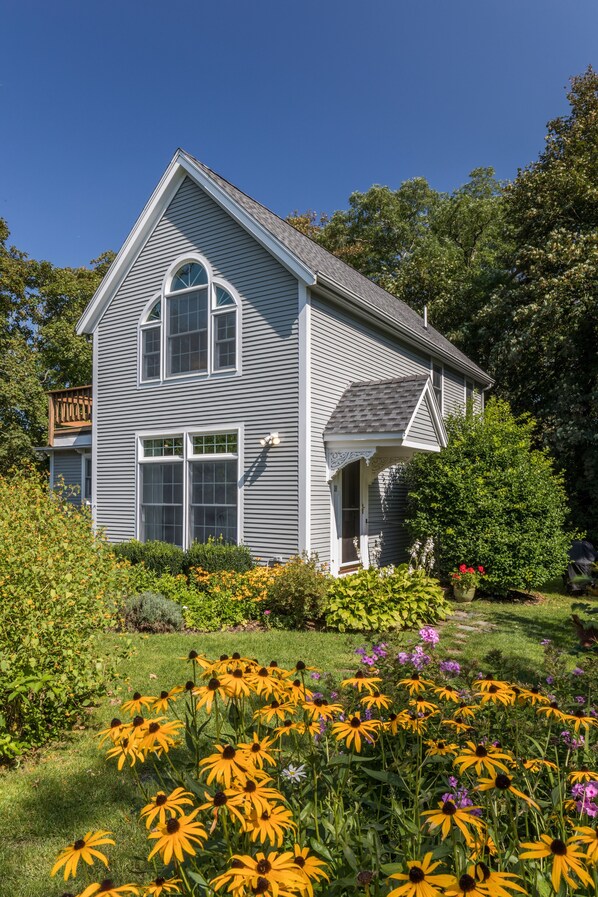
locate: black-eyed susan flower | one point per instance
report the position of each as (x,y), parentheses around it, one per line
(392,724)
(270,825)
(420,880)
(136,705)
(362,682)
(464,886)
(265,683)
(532,695)
(502,783)
(161,885)
(466,711)
(458,725)
(107,888)
(537,764)
(582,775)
(269,874)
(354,729)
(441,748)
(580,719)
(320,708)
(566,859)
(449,814)
(235,684)
(585,834)
(494,883)
(487,682)
(259,751)
(312,728)
(82,849)
(496,695)
(448,693)
(160,736)
(552,711)
(254,794)
(165,699)
(220,802)
(295,692)
(127,749)
(177,837)
(312,867)
(480,757)
(113,732)
(420,705)
(224,765)
(207,694)
(377,700)
(415,683)
(274,711)
(164,805)
(413,721)
(286,728)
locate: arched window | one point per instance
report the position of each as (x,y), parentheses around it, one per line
(192,329)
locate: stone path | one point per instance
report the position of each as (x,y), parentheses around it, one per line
(466,622)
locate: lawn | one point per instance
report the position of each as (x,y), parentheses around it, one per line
(68,788)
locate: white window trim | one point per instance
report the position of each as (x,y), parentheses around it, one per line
(186,458)
(440,364)
(164,295)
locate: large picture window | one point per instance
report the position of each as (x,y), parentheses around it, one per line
(191,329)
(189,487)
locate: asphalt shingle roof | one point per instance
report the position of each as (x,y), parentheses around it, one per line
(320,261)
(379,406)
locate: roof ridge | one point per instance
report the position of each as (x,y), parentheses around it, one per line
(411,379)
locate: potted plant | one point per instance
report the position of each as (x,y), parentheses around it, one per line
(465,581)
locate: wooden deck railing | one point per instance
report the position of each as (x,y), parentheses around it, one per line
(68,409)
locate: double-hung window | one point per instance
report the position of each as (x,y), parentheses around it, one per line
(437,383)
(189,487)
(191,329)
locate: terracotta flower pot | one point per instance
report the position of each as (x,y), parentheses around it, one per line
(463,595)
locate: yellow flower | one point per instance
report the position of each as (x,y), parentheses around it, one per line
(466,711)
(415,683)
(450,814)
(224,765)
(220,802)
(259,752)
(207,694)
(448,693)
(413,721)
(464,886)
(566,859)
(163,804)
(537,763)
(135,706)
(420,880)
(319,708)
(457,724)
(82,849)
(441,748)
(177,837)
(235,684)
(503,782)
(107,888)
(270,825)
(296,693)
(488,682)
(533,695)
(588,835)
(420,705)
(126,749)
(362,682)
(271,875)
(582,775)
(254,794)
(265,683)
(160,886)
(496,884)
(553,710)
(274,711)
(113,732)
(354,729)
(160,737)
(375,699)
(165,699)
(311,866)
(579,718)
(481,757)
(497,695)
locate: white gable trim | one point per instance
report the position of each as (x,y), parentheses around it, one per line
(180,167)
(430,399)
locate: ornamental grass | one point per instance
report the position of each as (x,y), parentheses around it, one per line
(398,781)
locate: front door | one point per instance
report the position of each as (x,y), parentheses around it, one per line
(350,515)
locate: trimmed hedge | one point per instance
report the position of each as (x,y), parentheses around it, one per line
(162,557)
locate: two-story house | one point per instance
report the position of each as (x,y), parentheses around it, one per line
(249,384)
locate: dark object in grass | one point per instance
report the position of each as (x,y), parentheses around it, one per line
(580,574)
(587,635)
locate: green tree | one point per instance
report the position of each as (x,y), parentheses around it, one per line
(39,348)
(540,330)
(491,498)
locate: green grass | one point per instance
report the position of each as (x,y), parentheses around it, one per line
(68,788)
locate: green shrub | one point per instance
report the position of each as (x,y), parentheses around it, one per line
(216,554)
(490,498)
(298,593)
(161,557)
(377,600)
(213,612)
(60,587)
(152,612)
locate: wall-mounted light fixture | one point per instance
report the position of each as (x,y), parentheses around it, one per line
(270,439)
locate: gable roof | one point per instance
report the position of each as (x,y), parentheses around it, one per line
(305,258)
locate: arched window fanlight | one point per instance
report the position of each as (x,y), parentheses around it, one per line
(191,329)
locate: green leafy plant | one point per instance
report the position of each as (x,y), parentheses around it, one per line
(152,612)
(161,557)
(378,600)
(299,592)
(216,554)
(490,495)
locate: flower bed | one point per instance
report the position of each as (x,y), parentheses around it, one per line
(407,778)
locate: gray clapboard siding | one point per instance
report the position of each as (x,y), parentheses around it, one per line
(422,426)
(67,475)
(454,391)
(344,350)
(387,498)
(264,398)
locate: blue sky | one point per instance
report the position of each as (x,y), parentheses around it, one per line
(297,102)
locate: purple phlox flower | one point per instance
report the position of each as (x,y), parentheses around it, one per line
(369,661)
(333,695)
(403,657)
(429,634)
(480,675)
(368,713)
(317,695)
(267,613)
(359,651)
(545,641)
(419,658)
(450,667)
(584,794)
(453,782)
(380,650)
(549,680)
(577,671)
(580,699)
(572,742)
(592,790)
